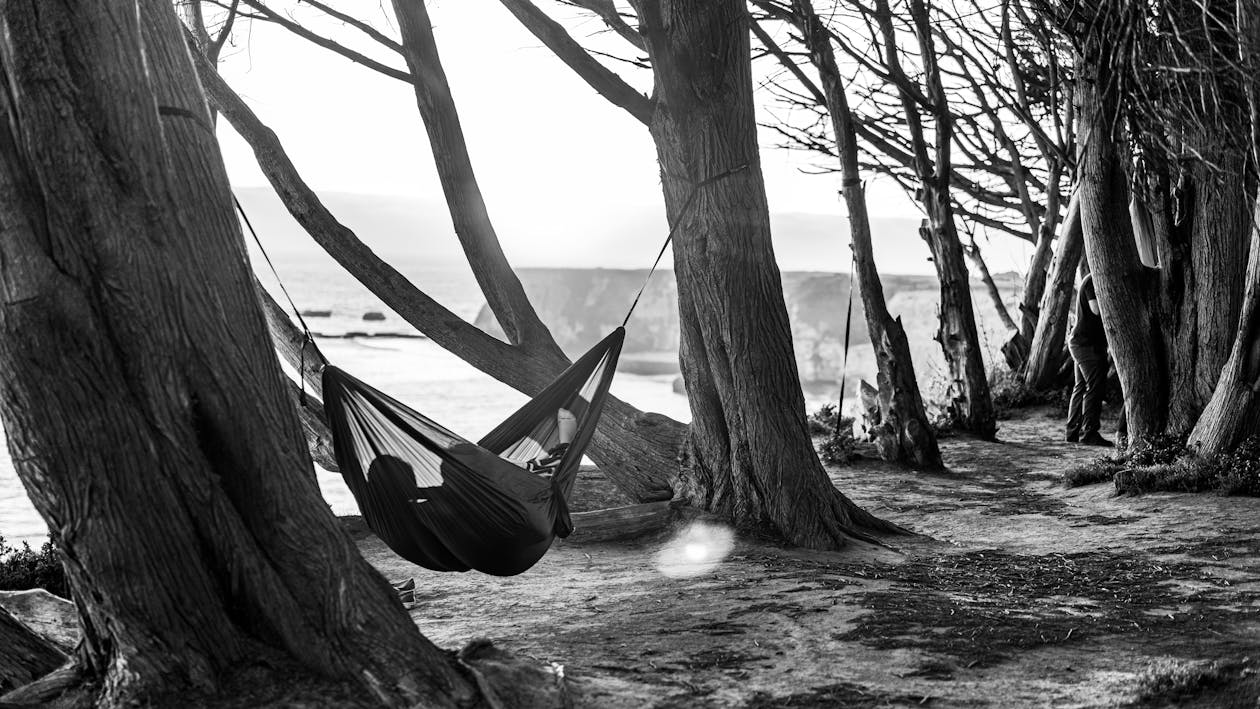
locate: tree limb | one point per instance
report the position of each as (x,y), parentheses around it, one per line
(596,75)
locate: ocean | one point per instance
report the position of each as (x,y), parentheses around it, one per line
(389,355)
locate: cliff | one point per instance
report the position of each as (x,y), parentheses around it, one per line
(582,305)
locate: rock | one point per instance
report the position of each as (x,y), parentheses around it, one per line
(373,316)
(316,313)
(680,385)
(51,617)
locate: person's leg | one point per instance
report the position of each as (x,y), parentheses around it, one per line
(1094,364)
(566,426)
(1073,433)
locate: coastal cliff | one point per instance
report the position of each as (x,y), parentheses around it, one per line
(582,305)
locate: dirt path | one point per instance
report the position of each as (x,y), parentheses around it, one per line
(1021,593)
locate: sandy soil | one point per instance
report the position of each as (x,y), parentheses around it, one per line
(1019,593)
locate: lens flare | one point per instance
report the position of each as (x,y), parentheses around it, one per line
(696,550)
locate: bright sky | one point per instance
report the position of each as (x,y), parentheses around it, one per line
(545,146)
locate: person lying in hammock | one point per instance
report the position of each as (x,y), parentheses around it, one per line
(566,429)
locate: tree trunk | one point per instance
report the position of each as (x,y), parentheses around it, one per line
(972,250)
(750,457)
(145,411)
(967,396)
(24,656)
(1232,414)
(968,401)
(1035,279)
(637,450)
(903,434)
(1126,296)
(1045,356)
(498,282)
(1212,288)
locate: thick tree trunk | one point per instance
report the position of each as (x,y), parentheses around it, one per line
(1217,260)
(24,656)
(637,450)
(1233,412)
(903,434)
(145,411)
(751,457)
(1126,296)
(1045,356)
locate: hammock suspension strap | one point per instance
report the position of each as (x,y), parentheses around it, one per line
(307,338)
(691,198)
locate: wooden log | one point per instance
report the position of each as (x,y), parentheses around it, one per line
(619,522)
(24,656)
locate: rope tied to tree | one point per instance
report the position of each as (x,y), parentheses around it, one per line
(669,237)
(307,337)
(844,367)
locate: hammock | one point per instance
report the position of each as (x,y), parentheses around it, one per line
(447,504)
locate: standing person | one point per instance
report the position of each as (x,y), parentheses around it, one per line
(1088,345)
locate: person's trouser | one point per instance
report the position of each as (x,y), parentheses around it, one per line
(1085,407)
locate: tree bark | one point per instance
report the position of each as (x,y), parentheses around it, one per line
(1214,285)
(1126,296)
(24,656)
(145,411)
(1036,278)
(750,456)
(1045,356)
(637,450)
(903,434)
(967,396)
(1232,413)
(968,400)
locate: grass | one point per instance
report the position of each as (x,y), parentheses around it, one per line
(23,568)
(1165,464)
(1169,680)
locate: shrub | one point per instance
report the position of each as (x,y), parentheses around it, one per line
(823,421)
(1162,449)
(23,568)
(1139,464)
(1099,470)
(839,446)
(1164,464)
(1167,679)
(1240,469)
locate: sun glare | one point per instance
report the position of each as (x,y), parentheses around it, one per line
(697,549)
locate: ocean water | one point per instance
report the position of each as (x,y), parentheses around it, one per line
(414,370)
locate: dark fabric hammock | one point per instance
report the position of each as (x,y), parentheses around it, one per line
(447,504)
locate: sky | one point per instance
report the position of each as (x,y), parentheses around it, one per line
(547,149)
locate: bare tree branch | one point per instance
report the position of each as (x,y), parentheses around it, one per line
(596,75)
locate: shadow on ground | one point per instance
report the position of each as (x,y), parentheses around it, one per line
(1019,593)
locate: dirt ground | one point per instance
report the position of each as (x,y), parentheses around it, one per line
(1018,593)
